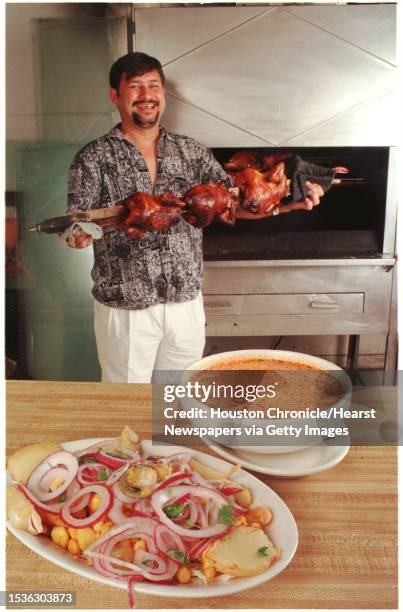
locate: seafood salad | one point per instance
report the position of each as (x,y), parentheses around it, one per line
(139,517)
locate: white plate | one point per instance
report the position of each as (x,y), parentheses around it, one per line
(304,462)
(283,532)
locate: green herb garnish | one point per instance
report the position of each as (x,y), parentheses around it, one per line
(262,552)
(226,515)
(103,474)
(62,498)
(179,556)
(189,523)
(146,562)
(174,510)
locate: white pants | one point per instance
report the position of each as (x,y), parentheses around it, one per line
(133,343)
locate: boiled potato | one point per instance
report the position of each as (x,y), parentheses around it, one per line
(21,513)
(244,551)
(23,462)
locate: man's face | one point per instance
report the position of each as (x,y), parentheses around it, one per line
(141,99)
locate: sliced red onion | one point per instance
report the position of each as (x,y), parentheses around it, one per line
(134,455)
(109,443)
(167,540)
(137,525)
(158,565)
(144,505)
(56,473)
(116,475)
(170,568)
(177,458)
(51,508)
(80,505)
(131,586)
(224,487)
(238,509)
(117,491)
(73,488)
(161,497)
(199,547)
(107,562)
(135,512)
(228,490)
(116,513)
(193,513)
(61,459)
(166,578)
(175,479)
(202,516)
(110,460)
(213,514)
(88,467)
(104,507)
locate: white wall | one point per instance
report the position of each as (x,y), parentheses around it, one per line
(21,110)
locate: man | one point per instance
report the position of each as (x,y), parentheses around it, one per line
(148,309)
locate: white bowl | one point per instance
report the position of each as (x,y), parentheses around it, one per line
(317,362)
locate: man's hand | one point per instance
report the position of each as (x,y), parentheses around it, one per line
(79,240)
(315,192)
(82,241)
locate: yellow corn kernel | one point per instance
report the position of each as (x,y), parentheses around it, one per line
(55,520)
(243,498)
(55,484)
(163,471)
(146,491)
(60,536)
(209,572)
(73,547)
(94,503)
(124,551)
(72,532)
(139,545)
(240,520)
(85,537)
(260,515)
(108,525)
(183,575)
(98,526)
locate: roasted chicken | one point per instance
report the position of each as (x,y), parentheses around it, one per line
(199,206)
(147,212)
(261,192)
(250,159)
(207,202)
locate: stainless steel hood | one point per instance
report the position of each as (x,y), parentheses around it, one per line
(277,76)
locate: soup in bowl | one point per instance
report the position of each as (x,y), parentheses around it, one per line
(276,397)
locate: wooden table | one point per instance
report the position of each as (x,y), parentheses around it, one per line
(347,517)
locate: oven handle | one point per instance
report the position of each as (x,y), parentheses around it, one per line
(323,305)
(216,305)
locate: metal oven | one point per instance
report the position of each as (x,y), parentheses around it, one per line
(328,271)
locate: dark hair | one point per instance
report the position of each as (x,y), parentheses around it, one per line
(133,64)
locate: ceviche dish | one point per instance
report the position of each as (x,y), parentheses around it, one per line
(137,517)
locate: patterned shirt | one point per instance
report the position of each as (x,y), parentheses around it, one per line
(163,266)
